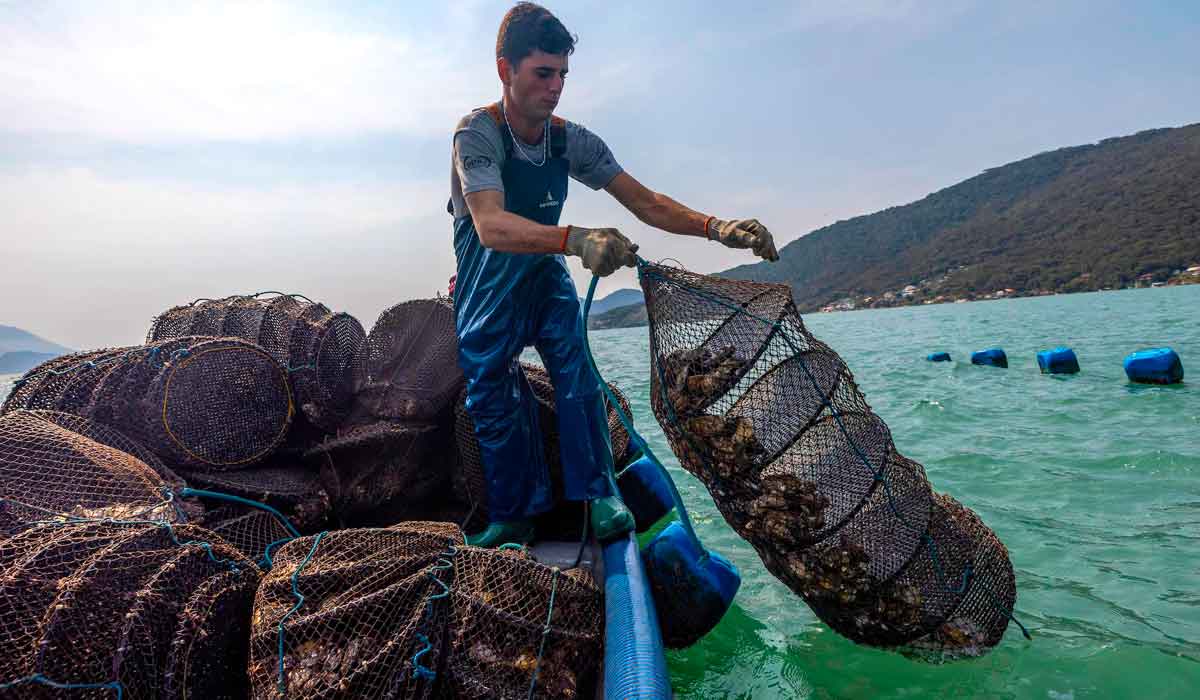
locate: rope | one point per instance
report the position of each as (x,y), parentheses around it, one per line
(879,475)
(634,435)
(444,562)
(545,630)
(186,492)
(282,680)
(39,678)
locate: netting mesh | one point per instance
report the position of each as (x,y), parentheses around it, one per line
(98,608)
(253,532)
(770,419)
(410,611)
(409,366)
(283,482)
(377,464)
(315,345)
(57,466)
(468,480)
(214,403)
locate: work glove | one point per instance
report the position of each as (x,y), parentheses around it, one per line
(743,233)
(603,250)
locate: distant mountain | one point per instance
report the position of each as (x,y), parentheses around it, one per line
(20,361)
(621,297)
(14,339)
(629,316)
(1118,213)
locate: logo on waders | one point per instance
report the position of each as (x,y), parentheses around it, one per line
(549,202)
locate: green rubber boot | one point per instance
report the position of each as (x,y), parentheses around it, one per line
(610,518)
(498,533)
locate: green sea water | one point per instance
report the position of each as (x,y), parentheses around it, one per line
(1093,483)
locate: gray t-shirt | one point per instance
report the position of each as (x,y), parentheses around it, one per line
(478,158)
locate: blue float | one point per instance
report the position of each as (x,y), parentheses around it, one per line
(1154,366)
(692,588)
(938,357)
(645,491)
(1060,360)
(993,357)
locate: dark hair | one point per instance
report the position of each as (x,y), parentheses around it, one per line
(527,27)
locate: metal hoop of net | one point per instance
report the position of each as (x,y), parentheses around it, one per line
(469,482)
(771,420)
(316,346)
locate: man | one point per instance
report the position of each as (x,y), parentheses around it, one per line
(508,183)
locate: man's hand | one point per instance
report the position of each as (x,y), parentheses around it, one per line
(744,233)
(603,250)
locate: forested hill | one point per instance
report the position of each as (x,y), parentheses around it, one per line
(1074,219)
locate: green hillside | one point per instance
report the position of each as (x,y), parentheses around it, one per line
(1074,219)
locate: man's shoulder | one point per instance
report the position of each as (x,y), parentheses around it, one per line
(478,119)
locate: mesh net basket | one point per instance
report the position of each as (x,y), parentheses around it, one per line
(316,346)
(96,607)
(254,532)
(368,625)
(408,370)
(283,482)
(771,420)
(469,481)
(410,612)
(375,465)
(55,466)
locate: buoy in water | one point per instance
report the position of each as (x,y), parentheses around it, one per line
(938,357)
(1060,360)
(692,588)
(645,492)
(993,357)
(1154,366)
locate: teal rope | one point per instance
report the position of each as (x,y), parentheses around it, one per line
(444,562)
(282,681)
(266,562)
(878,475)
(39,678)
(634,435)
(185,492)
(546,629)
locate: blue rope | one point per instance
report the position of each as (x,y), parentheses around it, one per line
(39,678)
(282,681)
(444,562)
(546,629)
(634,435)
(185,492)
(266,562)
(878,475)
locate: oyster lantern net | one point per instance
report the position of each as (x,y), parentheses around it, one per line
(314,344)
(408,369)
(771,420)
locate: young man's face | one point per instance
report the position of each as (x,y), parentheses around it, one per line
(536,83)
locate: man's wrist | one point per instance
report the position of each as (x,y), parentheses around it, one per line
(707,227)
(566,231)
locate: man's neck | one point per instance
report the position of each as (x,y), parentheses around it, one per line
(528,130)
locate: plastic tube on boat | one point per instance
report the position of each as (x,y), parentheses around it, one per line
(634,663)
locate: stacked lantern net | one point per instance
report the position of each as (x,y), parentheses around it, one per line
(57,467)
(254,532)
(281,482)
(410,611)
(216,403)
(770,419)
(405,380)
(315,345)
(105,609)
(469,481)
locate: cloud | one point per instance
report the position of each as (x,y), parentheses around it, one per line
(225,71)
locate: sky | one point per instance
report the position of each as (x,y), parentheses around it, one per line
(154,153)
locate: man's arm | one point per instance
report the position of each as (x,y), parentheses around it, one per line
(511,233)
(656,209)
(662,212)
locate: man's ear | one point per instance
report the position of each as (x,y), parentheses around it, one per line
(504,69)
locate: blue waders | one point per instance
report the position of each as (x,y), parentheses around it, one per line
(505,302)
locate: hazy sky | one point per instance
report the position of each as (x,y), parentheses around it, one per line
(154,153)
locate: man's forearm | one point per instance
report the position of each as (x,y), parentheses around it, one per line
(512,233)
(666,214)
